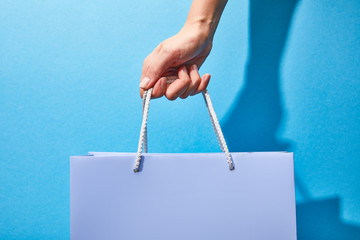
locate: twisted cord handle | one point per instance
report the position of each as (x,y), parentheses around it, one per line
(143,132)
(214,122)
(216,125)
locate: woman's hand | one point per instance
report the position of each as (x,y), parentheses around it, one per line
(172,68)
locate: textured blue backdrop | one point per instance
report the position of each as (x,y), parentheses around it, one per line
(285,77)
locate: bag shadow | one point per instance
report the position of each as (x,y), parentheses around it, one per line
(253,122)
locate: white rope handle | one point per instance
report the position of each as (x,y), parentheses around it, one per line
(216,125)
(213,118)
(143,132)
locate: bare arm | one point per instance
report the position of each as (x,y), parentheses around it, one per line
(206,15)
(179,57)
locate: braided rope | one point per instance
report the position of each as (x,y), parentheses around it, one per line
(214,122)
(145,134)
(217,128)
(146,96)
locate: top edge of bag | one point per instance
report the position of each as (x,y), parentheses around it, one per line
(112,154)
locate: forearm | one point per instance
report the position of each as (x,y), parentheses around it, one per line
(205,15)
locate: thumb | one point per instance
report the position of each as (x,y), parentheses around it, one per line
(153,68)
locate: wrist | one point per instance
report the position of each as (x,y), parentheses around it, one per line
(202,27)
(204,16)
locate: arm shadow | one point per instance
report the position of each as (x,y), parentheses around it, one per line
(253,122)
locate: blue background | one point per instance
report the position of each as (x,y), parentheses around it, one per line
(285,76)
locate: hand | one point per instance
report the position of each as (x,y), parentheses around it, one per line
(172,68)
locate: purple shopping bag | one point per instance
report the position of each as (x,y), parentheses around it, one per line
(182,196)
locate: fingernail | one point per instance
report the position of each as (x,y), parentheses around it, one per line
(144,82)
(207,78)
(183,68)
(195,68)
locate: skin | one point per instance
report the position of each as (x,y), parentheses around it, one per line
(172,68)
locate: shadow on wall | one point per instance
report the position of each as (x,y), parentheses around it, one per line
(258,111)
(320,220)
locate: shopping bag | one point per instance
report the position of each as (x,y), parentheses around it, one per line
(182,196)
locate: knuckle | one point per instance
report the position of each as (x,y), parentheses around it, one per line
(187,80)
(196,84)
(146,66)
(197,80)
(160,47)
(166,48)
(146,61)
(171,97)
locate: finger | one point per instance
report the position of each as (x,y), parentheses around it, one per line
(179,86)
(159,88)
(195,81)
(154,66)
(141,92)
(146,65)
(203,85)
